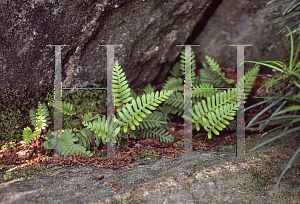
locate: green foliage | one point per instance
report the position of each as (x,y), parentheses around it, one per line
(214,113)
(288,13)
(283,91)
(40,120)
(211,109)
(133,113)
(137,116)
(14,109)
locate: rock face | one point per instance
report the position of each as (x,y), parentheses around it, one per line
(148,31)
(241,22)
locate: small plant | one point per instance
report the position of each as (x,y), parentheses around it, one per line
(211,109)
(7,176)
(283,90)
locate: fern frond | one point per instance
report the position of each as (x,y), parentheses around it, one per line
(193,63)
(28,135)
(208,76)
(155,119)
(69,146)
(212,114)
(148,89)
(67,108)
(176,100)
(204,90)
(121,87)
(99,126)
(132,117)
(175,84)
(161,133)
(84,138)
(176,71)
(215,67)
(232,125)
(39,118)
(250,77)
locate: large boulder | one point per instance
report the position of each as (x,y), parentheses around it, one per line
(148,31)
(237,23)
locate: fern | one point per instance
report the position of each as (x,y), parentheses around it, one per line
(174,84)
(161,133)
(208,76)
(39,119)
(66,108)
(148,89)
(193,64)
(204,90)
(215,67)
(69,147)
(100,128)
(28,135)
(84,138)
(176,71)
(132,117)
(121,89)
(155,119)
(215,113)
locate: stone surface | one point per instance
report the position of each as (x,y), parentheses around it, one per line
(148,30)
(241,22)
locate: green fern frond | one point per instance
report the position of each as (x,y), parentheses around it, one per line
(249,79)
(89,116)
(176,100)
(208,76)
(204,90)
(215,67)
(196,81)
(176,71)
(212,114)
(161,133)
(148,89)
(155,119)
(67,108)
(245,88)
(133,94)
(121,87)
(69,147)
(84,138)
(175,84)
(39,118)
(130,117)
(99,126)
(28,135)
(232,125)
(193,63)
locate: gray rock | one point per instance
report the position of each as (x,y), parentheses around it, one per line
(148,31)
(241,22)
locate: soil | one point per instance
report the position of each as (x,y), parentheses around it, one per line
(208,175)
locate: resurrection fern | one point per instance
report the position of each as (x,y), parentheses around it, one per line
(215,68)
(39,119)
(121,87)
(193,64)
(132,112)
(214,114)
(68,146)
(211,109)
